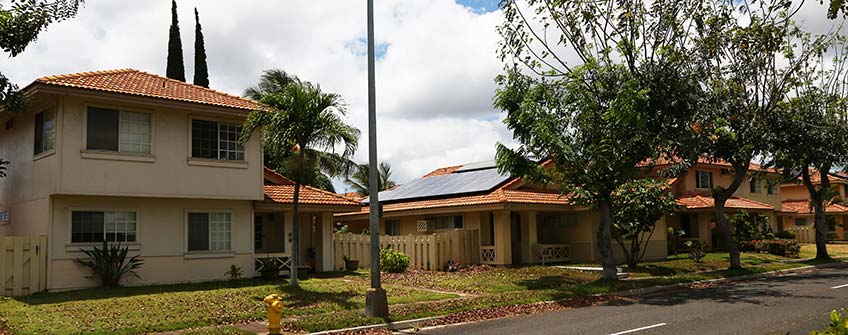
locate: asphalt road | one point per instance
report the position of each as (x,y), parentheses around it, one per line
(793,304)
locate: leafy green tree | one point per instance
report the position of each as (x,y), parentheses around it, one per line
(638,205)
(812,125)
(358,181)
(747,61)
(299,122)
(201,72)
(835,7)
(20,24)
(597,88)
(176,68)
(319,166)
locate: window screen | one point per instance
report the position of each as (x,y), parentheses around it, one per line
(102,129)
(198,231)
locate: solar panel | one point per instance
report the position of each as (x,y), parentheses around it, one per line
(477,166)
(449,184)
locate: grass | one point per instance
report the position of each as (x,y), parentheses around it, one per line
(336,299)
(135,310)
(835,250)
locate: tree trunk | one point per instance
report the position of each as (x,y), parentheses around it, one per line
(720,197)
(295,237)
(817,199)
(604,241)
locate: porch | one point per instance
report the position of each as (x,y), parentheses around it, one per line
(272,239)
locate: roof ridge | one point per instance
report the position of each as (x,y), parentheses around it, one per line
(310,187)
(83,74)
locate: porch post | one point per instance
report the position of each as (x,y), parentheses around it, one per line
(288,224)
(529,233)
(327,242)
(503,241)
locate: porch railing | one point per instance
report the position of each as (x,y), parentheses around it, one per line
(552,252)
(804,234)
(487,254)
(281,260)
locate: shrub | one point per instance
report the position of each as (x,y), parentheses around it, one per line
(697,250)
(393,261)
(786,248)
(110,263)
(785,235)
(838,325)
(234,273)
(747,229)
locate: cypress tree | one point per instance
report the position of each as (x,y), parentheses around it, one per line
(176,69)
(201,72)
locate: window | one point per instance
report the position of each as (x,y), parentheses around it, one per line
(770,186)
(800,221)
(87,227)
(4,217)
(447,222)
(257,232)
(754,184)
(209,231)
(704,179)
(45,131)
(845,192)
(121,131)
(216,140)
(393,227)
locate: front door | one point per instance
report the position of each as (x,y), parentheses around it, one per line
(268,233)
(515,237)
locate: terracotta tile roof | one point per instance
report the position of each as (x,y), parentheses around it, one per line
(802,206)
(497,196)
(815,177)
(753,167)
(697,201)
(135,82)
(284,193)
(442,171)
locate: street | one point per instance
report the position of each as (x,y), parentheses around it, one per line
(793,304)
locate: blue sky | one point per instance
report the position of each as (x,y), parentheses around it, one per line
(480,6)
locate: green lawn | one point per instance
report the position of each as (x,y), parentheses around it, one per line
(136,310)
(835,250)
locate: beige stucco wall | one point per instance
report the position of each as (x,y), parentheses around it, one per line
(161,239)
(171,174)
(724,179)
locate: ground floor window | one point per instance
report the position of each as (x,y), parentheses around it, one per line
(209,231)
(800,221)
(393,227)
(447,222)
(689,225)
(96,226)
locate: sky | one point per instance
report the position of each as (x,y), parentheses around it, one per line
(435,69)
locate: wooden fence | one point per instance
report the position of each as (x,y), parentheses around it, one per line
(426,252)
(23,265)
(804,234)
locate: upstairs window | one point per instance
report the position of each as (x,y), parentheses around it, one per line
(216,140)
(45,131)
(770,187)
(754,184)
(704,180)
(119,131)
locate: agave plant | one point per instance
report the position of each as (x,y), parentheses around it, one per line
(110,263)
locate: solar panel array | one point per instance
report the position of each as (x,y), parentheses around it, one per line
(477,166)
(449,184)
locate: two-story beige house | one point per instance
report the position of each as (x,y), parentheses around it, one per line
(798,212)
(155,164)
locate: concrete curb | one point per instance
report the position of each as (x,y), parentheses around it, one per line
(408,324)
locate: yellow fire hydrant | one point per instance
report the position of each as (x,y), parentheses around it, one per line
(275,308)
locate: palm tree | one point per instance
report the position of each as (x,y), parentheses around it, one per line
(318,167)
(358,181)
(304,125)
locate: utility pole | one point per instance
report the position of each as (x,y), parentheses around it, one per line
(376,303)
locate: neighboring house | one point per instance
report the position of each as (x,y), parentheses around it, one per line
(515,220)
(758,194)
(798,212)
(153,163)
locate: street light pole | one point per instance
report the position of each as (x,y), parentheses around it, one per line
(376,303)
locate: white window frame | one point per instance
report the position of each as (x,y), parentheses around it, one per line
(211,238)
(122,120)
(436,227)
(70,221)
(45,150)
(5,217)
(698,179)
(128,155)
(240,149)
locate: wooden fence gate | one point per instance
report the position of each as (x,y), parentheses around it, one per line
(426,252)
(23,265)
(804,234)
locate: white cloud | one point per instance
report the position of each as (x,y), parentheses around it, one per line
(435,81)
